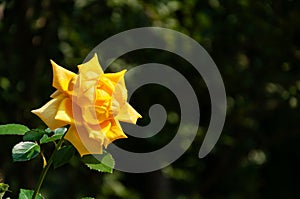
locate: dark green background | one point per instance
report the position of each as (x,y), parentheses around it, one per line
(256,47)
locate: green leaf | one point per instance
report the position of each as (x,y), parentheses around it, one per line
(34,135)
(3,189)
(13,129)
(57,135)
(27,194)
(60,131)
(102,163)
(63,156)
(45,139)
(87,198)
(24,151)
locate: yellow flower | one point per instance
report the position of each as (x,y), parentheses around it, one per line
(92,103)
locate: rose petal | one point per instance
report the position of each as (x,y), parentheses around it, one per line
(116,77)
(64,111)
(91,69)
(84,93)
(106,85)
(102,96)
(119,99)
(83,143)
(48,112)
(114,133)
(55,94)
(89,115)
(85,87)
(128,114)
(61,78)
(98,131)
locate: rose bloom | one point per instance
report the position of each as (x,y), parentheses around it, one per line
(92,103)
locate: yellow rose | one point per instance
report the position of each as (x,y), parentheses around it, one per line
(92,103)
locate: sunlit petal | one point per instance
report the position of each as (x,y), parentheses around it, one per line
(48,112)
(91,70)
(89,115)
(98,131)
(55,94)
(119,99)
(128,114)
(89,75)
(117,77)
(61,77)
(83,143)
(114,133)
(64,111)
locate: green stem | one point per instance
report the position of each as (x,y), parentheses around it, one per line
(46,168)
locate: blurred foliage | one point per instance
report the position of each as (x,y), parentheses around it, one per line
(256,46)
